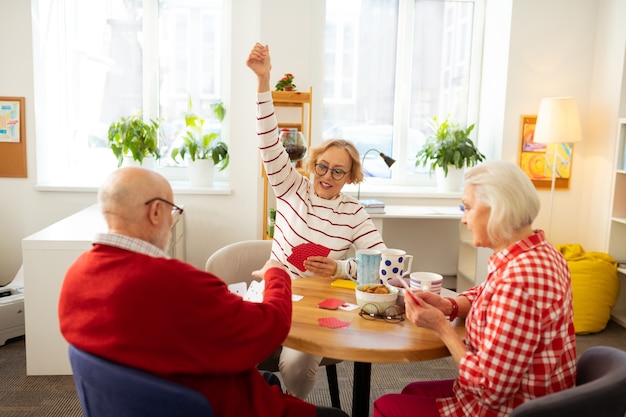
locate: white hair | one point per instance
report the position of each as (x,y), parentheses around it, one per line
(510,194)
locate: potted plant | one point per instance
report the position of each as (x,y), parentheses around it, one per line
(203,149)
(134,137)
(449,149)
(286,83)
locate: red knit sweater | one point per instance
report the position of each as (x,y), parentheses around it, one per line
(169,318)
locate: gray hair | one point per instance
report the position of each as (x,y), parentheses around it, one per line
(510,194)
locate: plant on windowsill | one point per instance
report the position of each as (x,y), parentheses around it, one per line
(449,148)
(286,83)
(134,137)
(204,150)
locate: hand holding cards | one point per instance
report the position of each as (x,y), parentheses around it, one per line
(407,290)
(301,252)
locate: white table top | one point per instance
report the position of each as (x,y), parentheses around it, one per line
(420,212)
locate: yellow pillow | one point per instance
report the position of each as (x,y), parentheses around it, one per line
(595,287)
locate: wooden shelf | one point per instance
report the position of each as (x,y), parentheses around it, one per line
(296,98)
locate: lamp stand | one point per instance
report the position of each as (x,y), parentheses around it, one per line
(554,146)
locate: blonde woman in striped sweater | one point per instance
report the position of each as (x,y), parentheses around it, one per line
(309,210)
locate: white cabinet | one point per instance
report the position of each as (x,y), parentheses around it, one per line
(46,255)
(617,227)
(11,314)
(472,261)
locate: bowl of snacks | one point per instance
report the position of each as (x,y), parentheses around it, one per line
(382,296)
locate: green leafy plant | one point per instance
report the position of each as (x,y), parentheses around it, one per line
(286,83)
(134,136)
(450,145)
(200,145)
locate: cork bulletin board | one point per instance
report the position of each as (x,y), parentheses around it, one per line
(12,137)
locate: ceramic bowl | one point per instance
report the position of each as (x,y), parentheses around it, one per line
(381,301)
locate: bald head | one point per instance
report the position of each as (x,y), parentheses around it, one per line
(122,199)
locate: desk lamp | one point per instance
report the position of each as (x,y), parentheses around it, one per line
(557,122)
(389,161)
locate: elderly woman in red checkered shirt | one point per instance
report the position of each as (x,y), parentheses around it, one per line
(520,340)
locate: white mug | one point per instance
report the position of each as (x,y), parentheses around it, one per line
(426,281)
(394,263)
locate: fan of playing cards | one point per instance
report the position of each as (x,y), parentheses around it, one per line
(301,252)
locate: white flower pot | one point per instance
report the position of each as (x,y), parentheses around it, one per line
(149,162)
(201,173)
(450,183)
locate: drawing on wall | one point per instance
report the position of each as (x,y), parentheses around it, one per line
(10,119)
(536,159)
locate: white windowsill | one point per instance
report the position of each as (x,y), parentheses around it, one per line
(179,188)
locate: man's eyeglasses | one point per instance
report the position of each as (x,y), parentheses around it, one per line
(336,173)
(175,208)
(391,314)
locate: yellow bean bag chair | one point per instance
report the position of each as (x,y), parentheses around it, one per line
(595,287)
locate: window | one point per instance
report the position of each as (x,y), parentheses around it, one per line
(96,61)
(382,87)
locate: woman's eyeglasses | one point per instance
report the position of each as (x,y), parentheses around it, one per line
(336,173)
(391,314)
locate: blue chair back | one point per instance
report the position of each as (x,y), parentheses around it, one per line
(600,389)
(108,389)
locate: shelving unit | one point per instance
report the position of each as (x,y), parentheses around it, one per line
(472,263)
(294,110)
(617,227)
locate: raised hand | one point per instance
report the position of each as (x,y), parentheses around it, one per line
(260,63)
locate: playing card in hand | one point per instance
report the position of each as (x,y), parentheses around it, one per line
(301,252)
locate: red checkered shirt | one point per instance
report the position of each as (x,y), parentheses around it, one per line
(519,333)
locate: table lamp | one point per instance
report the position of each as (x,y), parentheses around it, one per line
(557,122)
(389,161)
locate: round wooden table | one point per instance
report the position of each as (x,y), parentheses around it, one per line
(363,341)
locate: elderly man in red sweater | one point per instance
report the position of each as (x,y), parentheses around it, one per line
(127,301)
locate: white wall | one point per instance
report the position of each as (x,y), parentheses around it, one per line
(579,53)
(553,49)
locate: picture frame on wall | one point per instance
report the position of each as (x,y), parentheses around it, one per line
(536,159)
(13,137)
(11,115)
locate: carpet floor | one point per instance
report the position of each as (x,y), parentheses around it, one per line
(55,396)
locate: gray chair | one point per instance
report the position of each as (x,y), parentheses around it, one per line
(234,263)
(109,389)
(600,389)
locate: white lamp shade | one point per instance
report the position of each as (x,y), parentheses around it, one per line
(557,121)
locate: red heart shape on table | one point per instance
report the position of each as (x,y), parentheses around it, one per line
(332,322)
(331,303)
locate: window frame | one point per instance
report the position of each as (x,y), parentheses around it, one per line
(400,177)
(57,169)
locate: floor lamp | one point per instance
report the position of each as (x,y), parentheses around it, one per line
(389,161)
(557,122)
